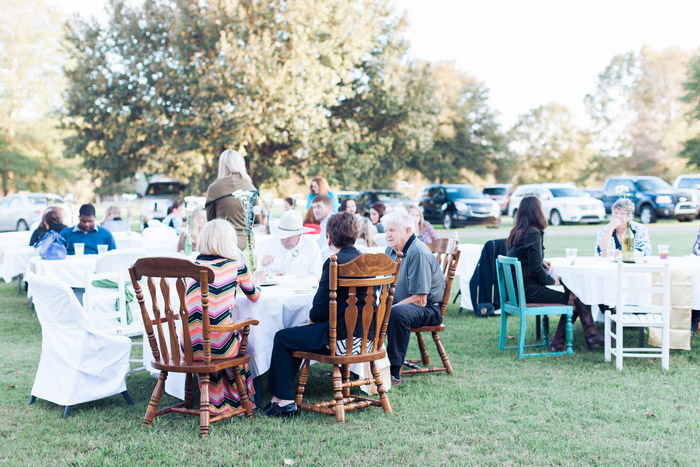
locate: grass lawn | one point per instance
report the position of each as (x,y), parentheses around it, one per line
(495,410)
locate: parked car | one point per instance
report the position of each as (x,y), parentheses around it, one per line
(20,211)
(159,196)
(391,198)
(500,193)
(561,202)
(458,205)
(691,184)
(652,197)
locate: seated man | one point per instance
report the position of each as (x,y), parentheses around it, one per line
(313,336)
(290,252)
(418,292)
(87,233)
(610,236)
(322,205)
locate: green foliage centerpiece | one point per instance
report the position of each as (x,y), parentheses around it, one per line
(247,200)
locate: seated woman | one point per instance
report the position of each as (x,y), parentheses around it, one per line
(310,222)
(348,205)
(288,203)
(423,230)
(610,236)
(113,220)
(367,232)
(51,220)
(199,220)
(217,247)
(341,230)
(174,217)
(526,242)
(376,212)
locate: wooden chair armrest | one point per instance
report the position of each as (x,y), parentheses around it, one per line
(241,323)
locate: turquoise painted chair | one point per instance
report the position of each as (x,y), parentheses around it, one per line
(512,293)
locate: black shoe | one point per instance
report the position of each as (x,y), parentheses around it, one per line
(554,347)
(396,381)
(595,341)
(276,410)
(268,407)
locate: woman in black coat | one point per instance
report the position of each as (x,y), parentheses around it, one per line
(50,221)
(526,242)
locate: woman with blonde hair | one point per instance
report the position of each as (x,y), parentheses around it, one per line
(219,252)
(423,230)
(199,219)
(367,232)
(220,203)
(319,186)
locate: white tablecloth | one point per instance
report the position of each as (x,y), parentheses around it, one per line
(13,239)
(15,261)
(70,271)
(594,280)
(468,259)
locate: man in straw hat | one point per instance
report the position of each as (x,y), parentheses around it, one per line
(290,252)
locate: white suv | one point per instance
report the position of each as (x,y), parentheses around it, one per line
(561,202)
(691,184)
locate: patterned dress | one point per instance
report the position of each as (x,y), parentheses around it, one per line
(223,395)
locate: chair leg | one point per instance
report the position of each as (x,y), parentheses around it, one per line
(619,331)
(204,405)
(521,338)
(502,336)
(32,399)
(338,391)
(545,331)
(607,336)
(383,398)
(301,383)
(155,399)
(569,334)
(128,398)
(423,351)
(538,328)
(189,397)
(346,377)
(441,351)
(66,413)
(242,388)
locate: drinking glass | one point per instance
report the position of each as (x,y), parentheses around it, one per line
(102,249)
(79,249)
(571,254)
(663,251)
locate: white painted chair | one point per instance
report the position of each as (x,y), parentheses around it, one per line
(643,300)
(78,362)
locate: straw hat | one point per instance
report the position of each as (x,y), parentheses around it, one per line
(290,224)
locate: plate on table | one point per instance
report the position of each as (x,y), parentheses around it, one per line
(269,282)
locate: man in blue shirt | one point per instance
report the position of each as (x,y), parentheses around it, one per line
(87,233)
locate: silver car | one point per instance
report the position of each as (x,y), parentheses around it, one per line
(20,211)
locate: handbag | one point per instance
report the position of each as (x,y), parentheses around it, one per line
(51,246)
(484,309)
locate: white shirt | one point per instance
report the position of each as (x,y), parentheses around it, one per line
(302,260)
(322,241)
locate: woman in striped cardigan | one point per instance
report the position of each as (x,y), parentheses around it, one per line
(217,246)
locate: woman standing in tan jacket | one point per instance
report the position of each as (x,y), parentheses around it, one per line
(220,203)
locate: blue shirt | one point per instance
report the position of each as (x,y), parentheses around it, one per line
(97,236)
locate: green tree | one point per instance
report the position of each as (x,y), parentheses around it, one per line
(691,147)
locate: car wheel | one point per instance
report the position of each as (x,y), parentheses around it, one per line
(515,211)
(447,221)
(685,219)
(555,218)
(647,215)
(22,225)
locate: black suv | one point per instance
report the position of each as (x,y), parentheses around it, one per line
(391,198)
(652,197)
(458,205)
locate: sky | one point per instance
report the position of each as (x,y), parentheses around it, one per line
(531,52)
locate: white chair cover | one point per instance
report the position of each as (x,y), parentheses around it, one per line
(126,240)
(78,363)
(115,260)
(159,239)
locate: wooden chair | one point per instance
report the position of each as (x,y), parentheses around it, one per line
(447,254)
(377,274)
(166,348)
(512,293)
(643,301)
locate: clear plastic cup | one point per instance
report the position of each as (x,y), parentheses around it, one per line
(102,249)
(571,254)
(663,251)
(79,249)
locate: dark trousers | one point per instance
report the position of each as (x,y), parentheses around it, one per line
(284,367)
(401,320)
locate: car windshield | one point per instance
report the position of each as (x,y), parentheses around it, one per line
(689,183)
(391,197)
(454,192)
(652,184)
(566,192)
(495,191)
(159,189)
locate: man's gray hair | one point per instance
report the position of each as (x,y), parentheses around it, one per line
(623,204)
(400,219)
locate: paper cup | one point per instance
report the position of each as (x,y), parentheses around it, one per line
(79,249)
(102,249)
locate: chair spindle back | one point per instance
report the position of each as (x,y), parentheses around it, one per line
(446,251)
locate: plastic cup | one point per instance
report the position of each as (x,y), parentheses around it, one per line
(571,254)
(102,249)
(79,249)
(612,253)
(663,251)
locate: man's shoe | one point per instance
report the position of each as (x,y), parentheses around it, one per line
(595,341)
(555,347)
(276,410)
(269,407)
(396,381)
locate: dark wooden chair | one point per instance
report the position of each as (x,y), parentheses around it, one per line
(169,354)
(377,274)
(447,254)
